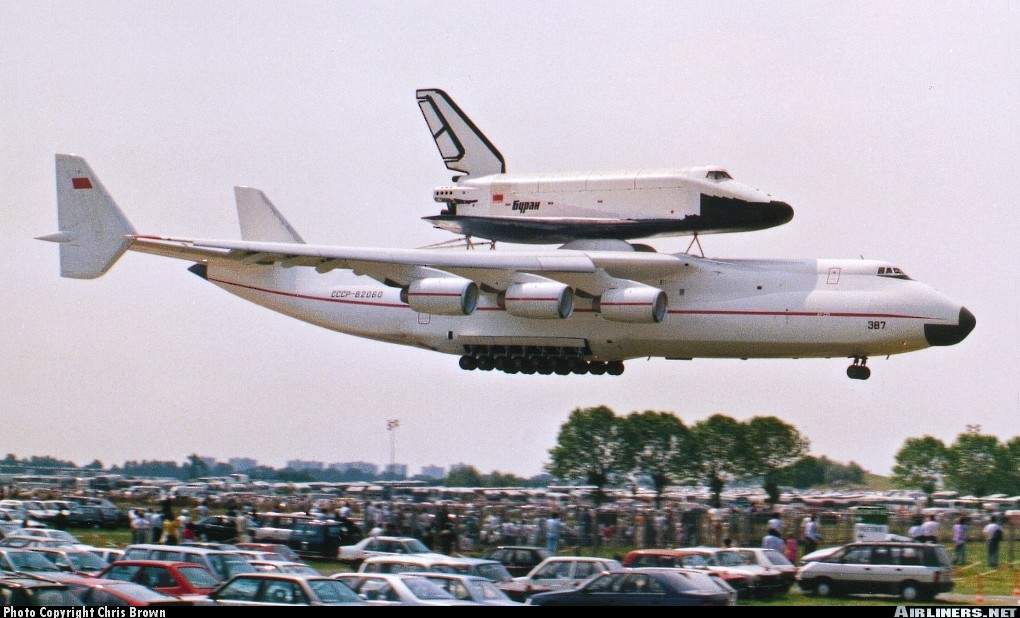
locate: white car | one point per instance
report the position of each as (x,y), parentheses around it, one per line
(912,570)
(47,533)
(283,566)
(561,572)
(384,546)
(470,588)
(397,589)
(772,560)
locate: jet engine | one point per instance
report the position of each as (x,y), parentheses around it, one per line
(442,295)
(538,299)
(632,304)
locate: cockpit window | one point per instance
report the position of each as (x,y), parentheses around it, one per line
(892,272)
(718,175)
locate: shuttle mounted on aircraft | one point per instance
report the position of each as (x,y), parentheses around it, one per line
(569,310)
(486,201)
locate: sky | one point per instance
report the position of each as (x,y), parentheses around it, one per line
(892,130)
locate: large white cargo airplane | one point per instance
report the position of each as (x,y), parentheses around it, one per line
(487,202)
(584,308)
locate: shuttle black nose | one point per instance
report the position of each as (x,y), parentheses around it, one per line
(780,212)
(943,334)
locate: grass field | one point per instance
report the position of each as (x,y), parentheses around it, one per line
(972,579)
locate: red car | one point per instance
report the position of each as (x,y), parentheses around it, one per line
(92,592)
(163,576)
(687,559)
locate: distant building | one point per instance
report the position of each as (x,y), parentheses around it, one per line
(300,464)
(241,464)
(433,472)
(357,466)
(396,470)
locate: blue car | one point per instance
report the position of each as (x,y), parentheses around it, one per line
(637,587)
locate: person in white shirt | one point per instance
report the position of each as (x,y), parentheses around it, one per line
(776,523)
(811,536)
(155,525)
(993,537)
(930,530)
(772,540)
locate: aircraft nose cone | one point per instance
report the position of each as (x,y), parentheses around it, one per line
(780,212)
(944,334)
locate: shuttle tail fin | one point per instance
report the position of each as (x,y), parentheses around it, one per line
(260,220)
(462,145)
(93,232)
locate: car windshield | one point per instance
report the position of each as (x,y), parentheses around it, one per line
(424,589)
(85,561)
(777,558)
(731,558)
(139,593)
(29,561)
(695,561)
(51,597)
(486,591)
(228,565)
(332,591)
(493,571)
(198,577)
(62,536)
(414,546)
(300,569)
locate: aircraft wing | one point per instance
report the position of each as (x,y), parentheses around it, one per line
(588,271)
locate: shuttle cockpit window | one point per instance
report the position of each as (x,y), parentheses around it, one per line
(892,272)
(718,175)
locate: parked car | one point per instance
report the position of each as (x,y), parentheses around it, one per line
(402,589)
(86,516)
(73,560)
(322,538)
(518,559)
(479,567)
(34,592)
(772,560)
(215,528)
(762,581)
(93,592)
(911,570)
(276,548)
(682,558)
(382,546)
(470,588)
(163,576)
(28,542)
(108,554)
(644,587)
(276,527)
(284,589)
(222,564)
(557,573)
(276,566)
(110,515)
(45,533)
(25,561)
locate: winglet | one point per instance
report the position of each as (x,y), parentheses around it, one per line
(93,230)
(260,220)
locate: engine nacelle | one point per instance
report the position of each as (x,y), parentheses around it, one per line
(632,304)
(538,299)
(442,295)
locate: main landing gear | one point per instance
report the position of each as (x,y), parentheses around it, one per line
(859,370)
(542,365)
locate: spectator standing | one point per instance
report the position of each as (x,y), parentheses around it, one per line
(930,530)
(155,525)
(772,540)
(552,533)
(791,549)
(960,541)
(993,537)
(811,536)
(776,523)
(241,526)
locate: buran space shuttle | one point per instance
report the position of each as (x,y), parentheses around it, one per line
(485,201)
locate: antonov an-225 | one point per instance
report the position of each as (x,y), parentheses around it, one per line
(487,202)
(584,308)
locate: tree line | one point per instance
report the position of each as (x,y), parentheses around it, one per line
(597,447)
(975,463)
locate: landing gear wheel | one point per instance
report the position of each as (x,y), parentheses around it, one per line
(580,367)
(614,368)
(485,363)
(597,368)
(512,365)
(468,363)
(500,362)
(528,366)
(545,366)
(563,367)
(859,370)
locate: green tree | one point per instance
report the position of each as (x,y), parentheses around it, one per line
(722,446)
(588,448)
(659,445)
(95,465)
(772,444)
(196,467)
(1011,464)
(974,463)
(463,476)
(921,463)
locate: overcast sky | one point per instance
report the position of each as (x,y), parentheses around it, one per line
(891,128)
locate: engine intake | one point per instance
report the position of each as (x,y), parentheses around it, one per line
(633,304)
(538,299)
(442,295)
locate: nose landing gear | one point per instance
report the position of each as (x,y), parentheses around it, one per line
(859,370)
